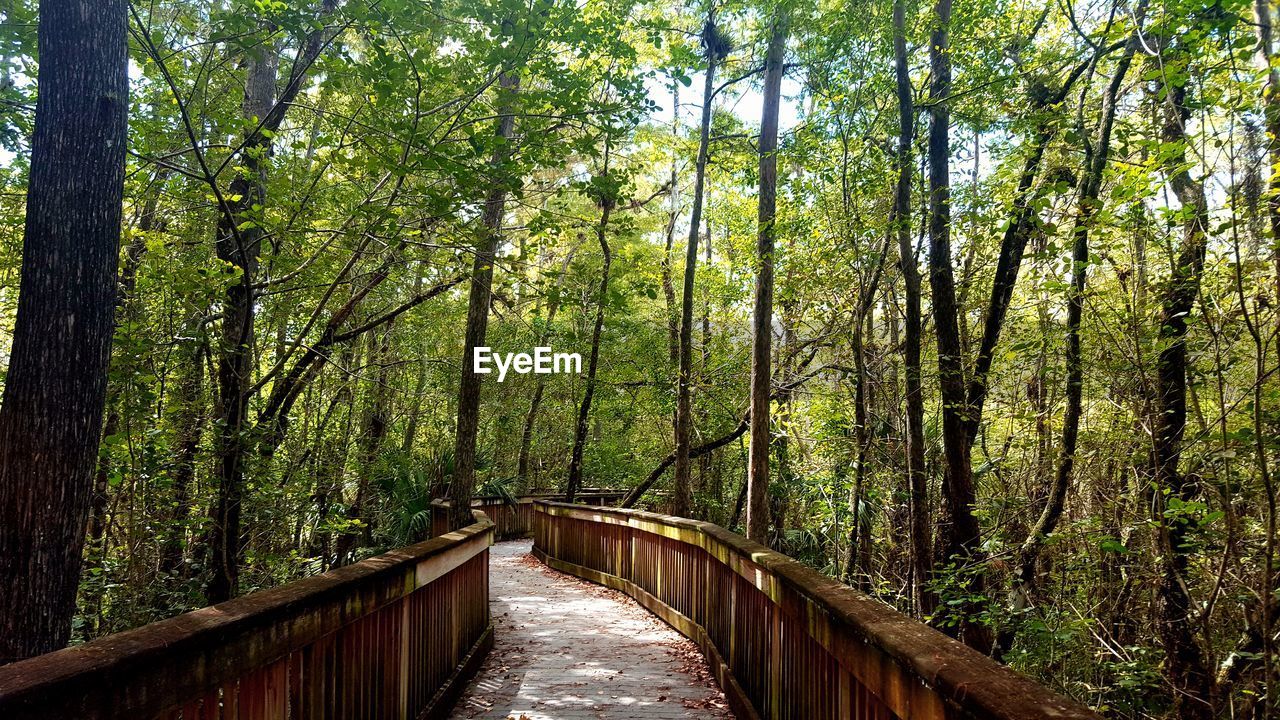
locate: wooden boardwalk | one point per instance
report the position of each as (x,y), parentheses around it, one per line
(400,634)
(566,649)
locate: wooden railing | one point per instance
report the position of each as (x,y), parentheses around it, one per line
(514,520)
(784,640)
(395,636)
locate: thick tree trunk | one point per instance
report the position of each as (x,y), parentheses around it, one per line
(607,201)
(917,480)
(960,533)
(464,456)
(56,384)
(762,326)
(1185,662)
(682,497)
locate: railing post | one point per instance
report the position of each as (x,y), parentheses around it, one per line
(845,691)
(405,637)
(631,552)
(775,664)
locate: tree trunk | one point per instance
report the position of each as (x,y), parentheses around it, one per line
(1185,662)
(917,480)
(705,462)
(1271,113)
(419,391)
(376,418)
(960,533)
(464,476)
(682,502)
(188,424)
(239,243)
(607,201)
(1019,228)
(273,419)
(1087,206)
(1020,225)
(668,287)
(415,412)
(96,544)
(861,525)
(330,463)
(762,327)
(639,490)
(857,539)
(540,383)
(56,384)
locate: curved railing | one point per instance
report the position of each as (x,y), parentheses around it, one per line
(784,640)
(514,519)
(393,636)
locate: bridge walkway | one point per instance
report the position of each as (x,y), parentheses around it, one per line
(566,649)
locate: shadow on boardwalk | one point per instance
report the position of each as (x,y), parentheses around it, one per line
(566,649)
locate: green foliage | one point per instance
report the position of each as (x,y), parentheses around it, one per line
(371,190)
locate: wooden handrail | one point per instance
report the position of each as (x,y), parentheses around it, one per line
(784,640)
(393,636)
(513,520)
(586,496)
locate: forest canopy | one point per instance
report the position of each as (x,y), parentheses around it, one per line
(974,307)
